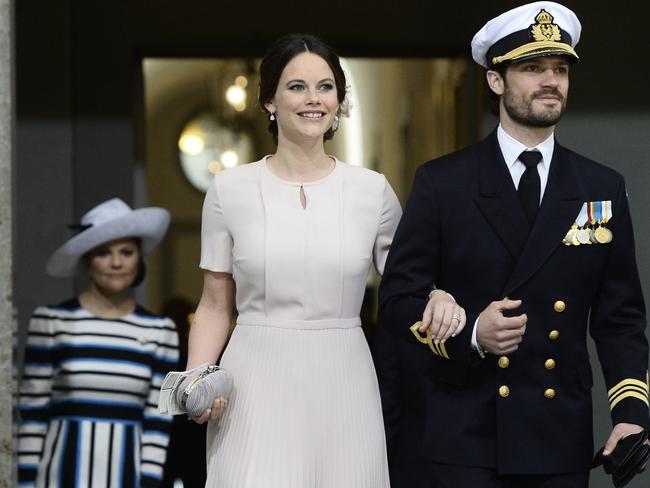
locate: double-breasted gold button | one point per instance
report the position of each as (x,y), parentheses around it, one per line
(549,393)
(504,362)
(549,363)
(504,391)
(559,306)
(554,335)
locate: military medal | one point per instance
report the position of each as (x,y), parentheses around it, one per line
(583,234)
(568,238)
(607,215)
(594,212)
(600,234)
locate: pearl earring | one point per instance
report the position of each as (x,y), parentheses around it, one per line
(335,125)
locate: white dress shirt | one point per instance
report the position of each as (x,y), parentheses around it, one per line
(511,148)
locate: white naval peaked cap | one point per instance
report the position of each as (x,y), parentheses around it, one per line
(531,30)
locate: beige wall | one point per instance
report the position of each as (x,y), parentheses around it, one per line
(408,110)
(176,91)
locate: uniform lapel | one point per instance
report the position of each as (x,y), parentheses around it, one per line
(559,209)
(498,198)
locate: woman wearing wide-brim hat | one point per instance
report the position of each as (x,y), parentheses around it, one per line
(94,363)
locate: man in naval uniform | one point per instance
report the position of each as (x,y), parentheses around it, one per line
(536,243)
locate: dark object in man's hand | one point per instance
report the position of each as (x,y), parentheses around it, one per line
(626,460)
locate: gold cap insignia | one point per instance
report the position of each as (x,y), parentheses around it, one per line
(545,29)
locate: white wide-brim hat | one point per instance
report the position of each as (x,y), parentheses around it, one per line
(531,30)
(107,222)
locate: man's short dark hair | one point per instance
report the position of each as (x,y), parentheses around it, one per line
(493,98)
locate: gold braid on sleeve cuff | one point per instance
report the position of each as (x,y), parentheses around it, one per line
(628,388)
(437,349)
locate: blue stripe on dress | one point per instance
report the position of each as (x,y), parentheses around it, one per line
(157,432)
(105,361)
(158,418)
(77,418)
(138,458)
(36,365)
(26,406)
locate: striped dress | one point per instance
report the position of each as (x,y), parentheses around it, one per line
(88,399)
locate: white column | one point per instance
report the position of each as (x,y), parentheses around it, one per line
(7,316)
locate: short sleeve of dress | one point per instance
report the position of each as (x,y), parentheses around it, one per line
(216,241)
(391,211)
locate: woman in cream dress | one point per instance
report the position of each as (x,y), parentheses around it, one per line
(288,241)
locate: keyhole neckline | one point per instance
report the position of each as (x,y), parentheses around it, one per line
(299,184)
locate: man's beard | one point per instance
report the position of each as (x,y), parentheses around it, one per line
(521,110)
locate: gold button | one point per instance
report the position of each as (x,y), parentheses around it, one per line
(559,306)
(553,335)
(549,393)
(504,391)
(549,363)
(504,362)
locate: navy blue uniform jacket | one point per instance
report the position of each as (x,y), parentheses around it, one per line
(464,229)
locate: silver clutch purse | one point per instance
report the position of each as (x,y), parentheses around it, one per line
(192,392)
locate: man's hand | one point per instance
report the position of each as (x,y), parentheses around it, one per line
(618,432)
(444,316)
(498,334)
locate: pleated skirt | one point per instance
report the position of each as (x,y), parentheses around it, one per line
(305,412)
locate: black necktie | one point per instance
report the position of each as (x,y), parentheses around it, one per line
(529,185)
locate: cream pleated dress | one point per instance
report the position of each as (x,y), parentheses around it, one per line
(305,410)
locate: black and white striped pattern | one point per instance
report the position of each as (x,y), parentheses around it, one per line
(88,399)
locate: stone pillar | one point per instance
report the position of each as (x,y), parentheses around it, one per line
(7,318)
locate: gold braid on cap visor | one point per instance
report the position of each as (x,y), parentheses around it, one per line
(537,47)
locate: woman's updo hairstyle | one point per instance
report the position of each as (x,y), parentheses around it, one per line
(280,53)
